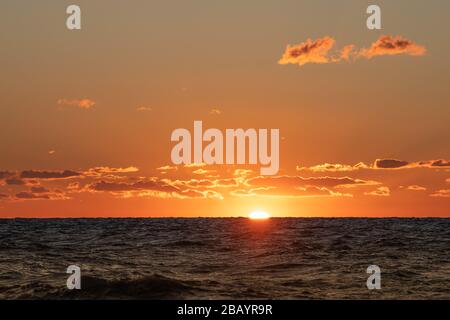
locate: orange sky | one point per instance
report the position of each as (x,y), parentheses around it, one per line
(87,115)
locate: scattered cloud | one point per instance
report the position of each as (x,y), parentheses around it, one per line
(80,103)
(299,192)
(14,181)
(320,51)
(389,164)
(415,187)
(195,165)
(201,171)
(41,195)
(4,196)
(300,182)
(141,109)
(167,168)
(195,181)
(215,111)
(444,193)
(334,167)
(6,174)
(380,191)
(310,51)
(100,171)
(35,174)
(387,45)
(378,164)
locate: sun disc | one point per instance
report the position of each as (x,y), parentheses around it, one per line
(259,215)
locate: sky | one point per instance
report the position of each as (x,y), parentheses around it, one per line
(87,114)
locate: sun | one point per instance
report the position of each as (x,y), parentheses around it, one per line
(259,215)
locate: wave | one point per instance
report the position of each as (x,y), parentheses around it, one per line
(149,287)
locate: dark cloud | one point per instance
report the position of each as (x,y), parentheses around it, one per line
(440,163)
(3,196)
(34,174)
(152,185)
(296,181)
(28,195)
(390,164)
(38,193)
(5,174)
(14,181)
(39,190)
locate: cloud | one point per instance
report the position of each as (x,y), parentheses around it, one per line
(444,193)
(416,188)
(333,167)
(389,164)
(203,171)
(33,174)
(380,191)
(4,196)
(215,111)
(299,192)
(41,194)
(378,164)
(14,181)
(141,109)
(196,194)
(100,171)
(167,168)
(243,173)
(435,164)
(151,184)
(401,164)
(310,51)
(194,181)
(153,188)
(6,174)
(296,186)
(195,165)
(388,45)
(320,51)
(296,181)
(80,103)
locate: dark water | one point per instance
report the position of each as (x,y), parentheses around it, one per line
(225,258)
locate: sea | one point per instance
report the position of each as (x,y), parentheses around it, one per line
(225,258)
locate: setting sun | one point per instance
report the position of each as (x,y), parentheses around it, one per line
(259,215)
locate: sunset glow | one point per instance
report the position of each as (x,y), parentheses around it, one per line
(259,215)
(163,129)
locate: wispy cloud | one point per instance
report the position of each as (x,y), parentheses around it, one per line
(141,109)
(378,164)
(415,187)
(215,111)
(380,192)
(36,174)
(80,103)
(444,193)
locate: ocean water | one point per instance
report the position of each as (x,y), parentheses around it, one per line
(237,258)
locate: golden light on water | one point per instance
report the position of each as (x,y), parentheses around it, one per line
(259,215)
